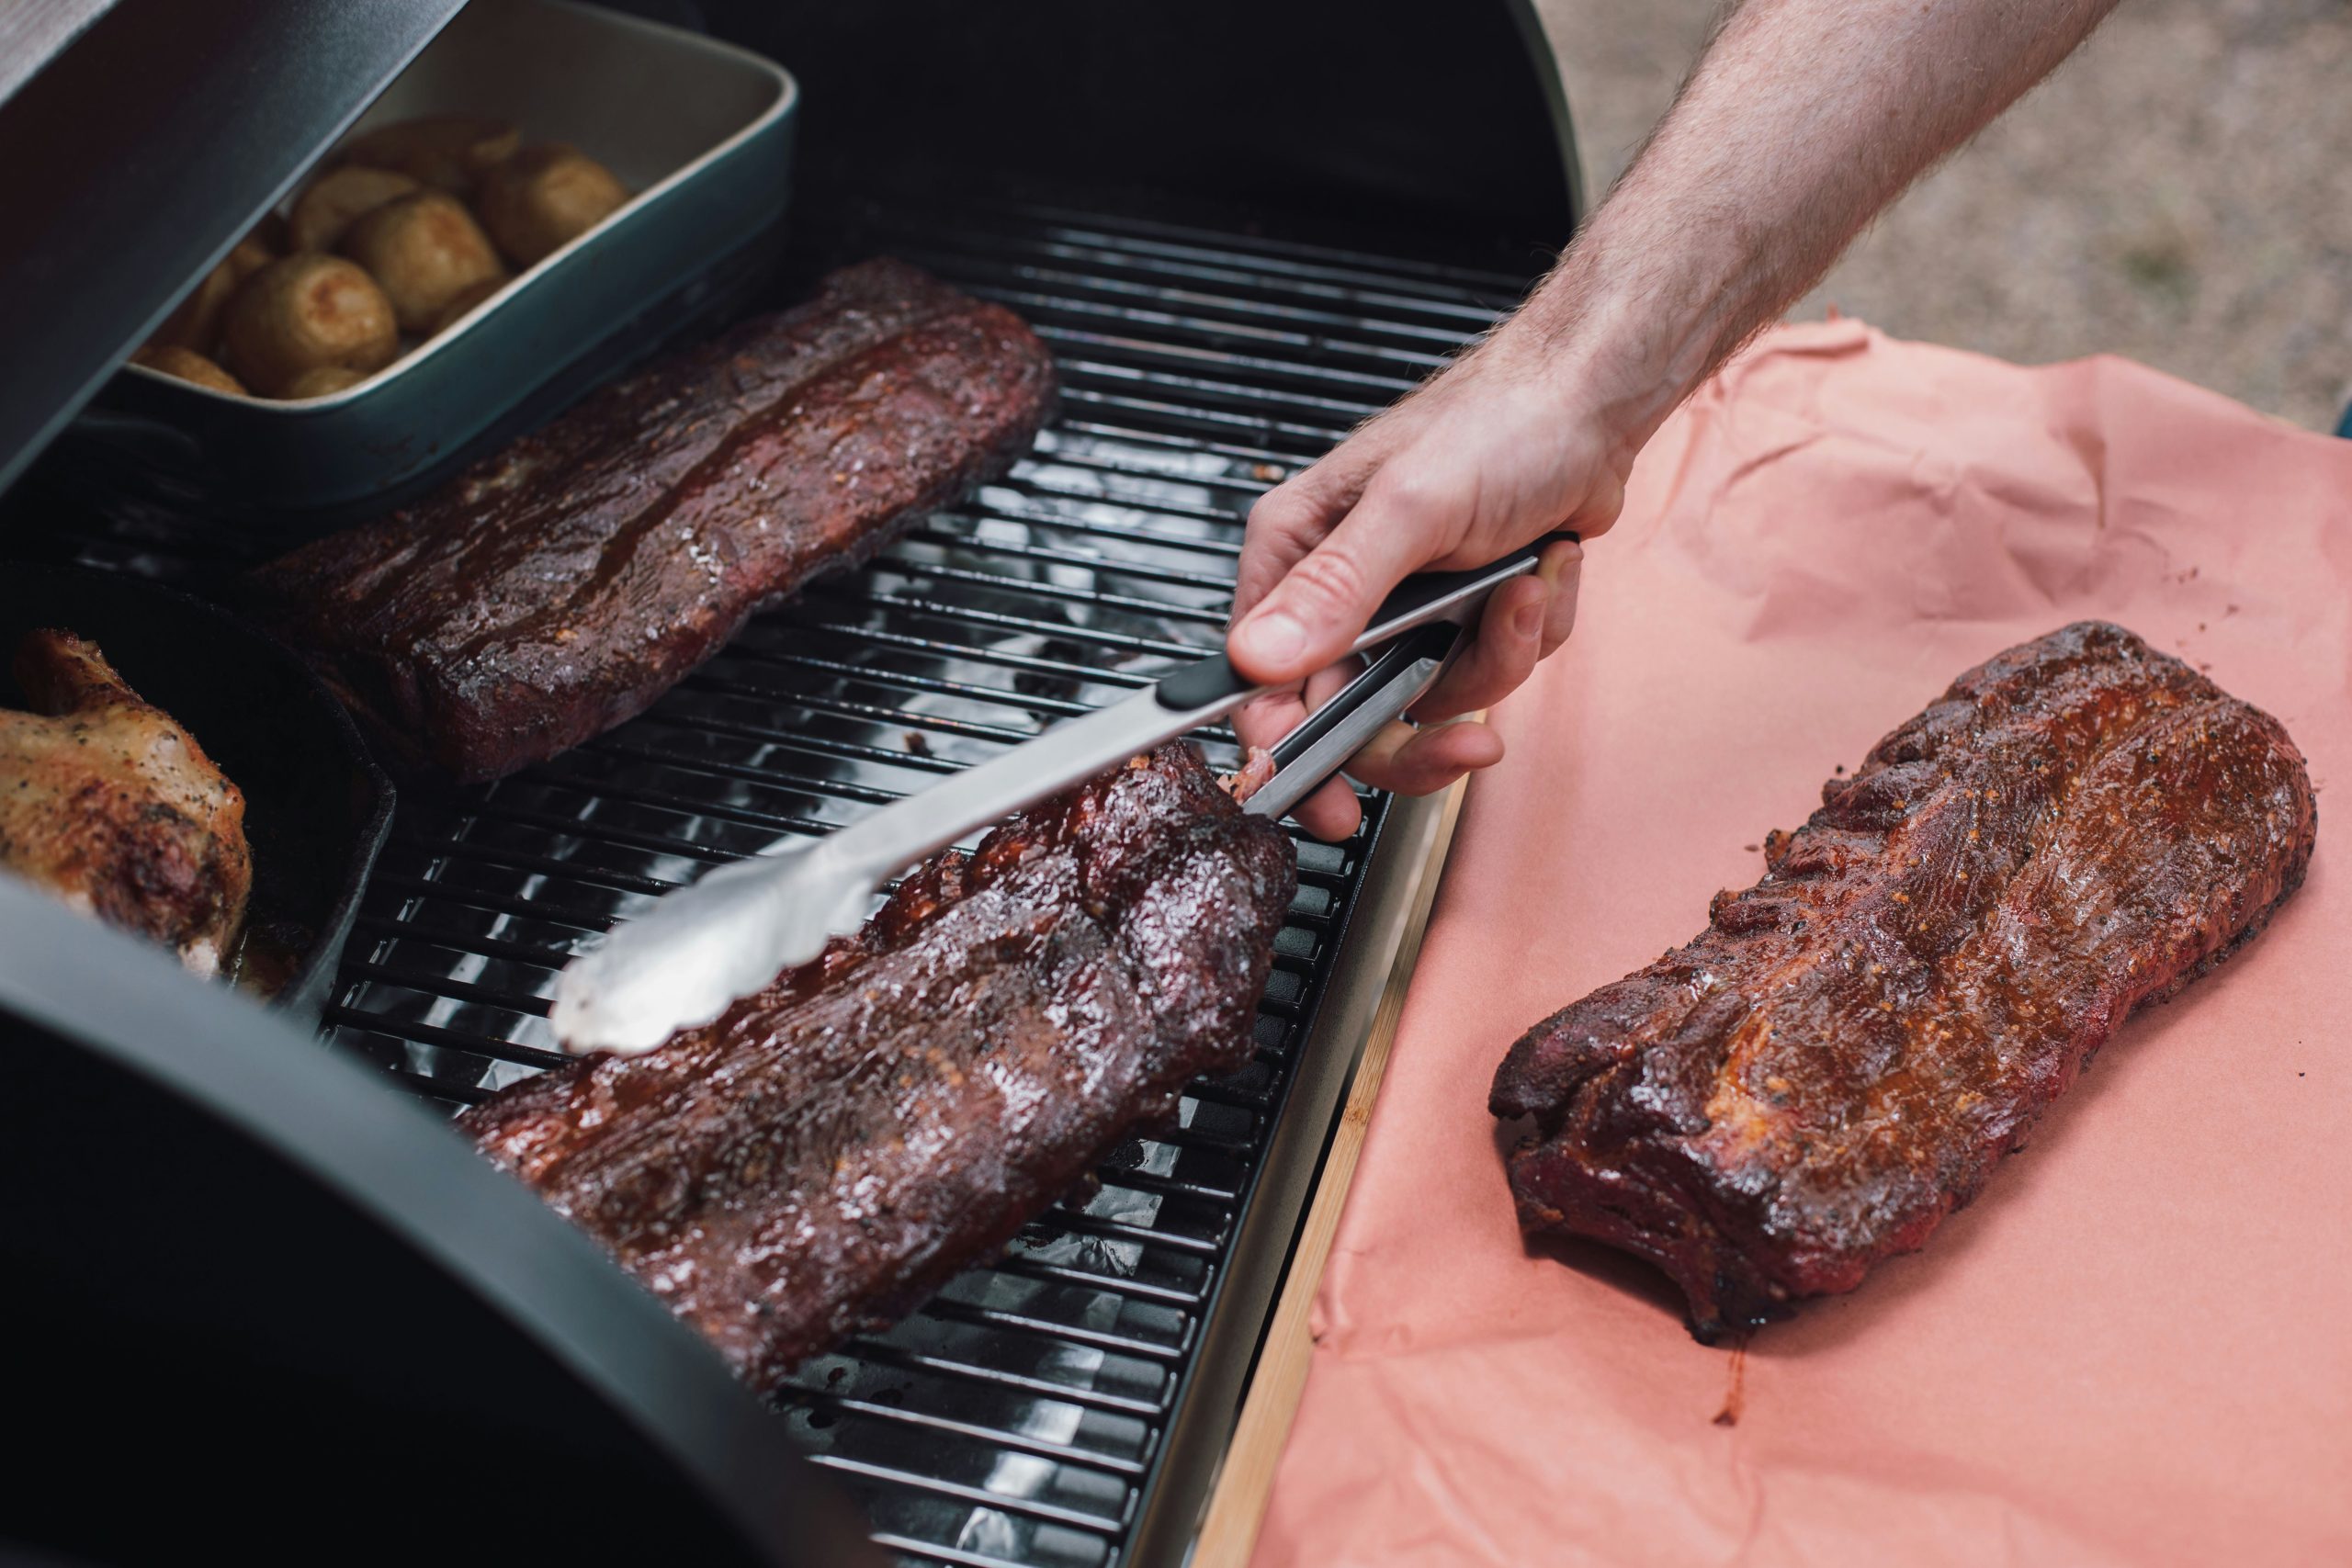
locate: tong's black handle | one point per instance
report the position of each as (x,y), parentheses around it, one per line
(1423,597)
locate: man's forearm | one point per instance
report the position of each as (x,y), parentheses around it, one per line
(1803,120)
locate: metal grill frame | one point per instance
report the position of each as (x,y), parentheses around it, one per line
(1207,365)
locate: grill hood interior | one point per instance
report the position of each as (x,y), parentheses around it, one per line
(1242,228)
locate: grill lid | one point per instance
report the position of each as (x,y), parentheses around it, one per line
(139,155)
(1443,118)
(236,1238)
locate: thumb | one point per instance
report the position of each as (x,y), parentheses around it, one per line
(1311,618)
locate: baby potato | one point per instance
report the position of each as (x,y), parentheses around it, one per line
(321,380)
(424,250)
(252,253)
(448,151)
(190,325)
(188,365)
(197,321)
(463,301)
(303,312)
(543,197)
(339,198)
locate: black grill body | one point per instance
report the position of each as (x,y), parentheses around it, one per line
(1230,278)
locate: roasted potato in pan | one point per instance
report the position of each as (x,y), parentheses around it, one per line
(448,151)
(337,200)
(188,365)
(424,250)
(304,311)
(323,380)
(196,324)
(464,301)
(195,320)
(380,249)
(543,197)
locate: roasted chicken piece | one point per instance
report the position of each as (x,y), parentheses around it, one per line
(109,804)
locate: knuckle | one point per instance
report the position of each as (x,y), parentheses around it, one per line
(1601,511)
(1408,493)
(1329,580)
(1298,508)
(1278,531)
(1277,512)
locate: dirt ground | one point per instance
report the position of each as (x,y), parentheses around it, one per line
(2180,192)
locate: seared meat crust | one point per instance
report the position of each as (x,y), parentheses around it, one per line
(558,587)
(2078,828)
(829,1152)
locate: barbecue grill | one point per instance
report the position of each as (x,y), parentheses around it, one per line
(1241,229)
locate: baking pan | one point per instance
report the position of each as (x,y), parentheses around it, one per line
(317,807)
(701,131)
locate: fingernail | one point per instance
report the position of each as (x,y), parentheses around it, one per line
(1273,639)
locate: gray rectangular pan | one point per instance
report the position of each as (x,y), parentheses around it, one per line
(701,131)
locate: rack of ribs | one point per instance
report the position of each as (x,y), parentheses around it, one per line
(827,1153)
(559,586)
(2078,828)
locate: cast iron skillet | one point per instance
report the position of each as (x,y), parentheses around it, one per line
(317,807)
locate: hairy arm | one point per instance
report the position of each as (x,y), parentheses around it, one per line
(1803,120)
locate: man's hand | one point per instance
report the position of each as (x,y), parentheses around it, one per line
(1801,121)
(1483,459)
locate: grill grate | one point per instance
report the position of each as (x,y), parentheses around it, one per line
(1021,1416)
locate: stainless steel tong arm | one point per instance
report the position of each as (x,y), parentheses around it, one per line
(682,962)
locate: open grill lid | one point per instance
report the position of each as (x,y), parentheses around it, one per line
(148,143)
(1396,114)
(198,1205)
(143,151)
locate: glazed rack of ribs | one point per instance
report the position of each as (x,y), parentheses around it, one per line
(2079,828)
(827,1154)
(560,584)
(1058,1402)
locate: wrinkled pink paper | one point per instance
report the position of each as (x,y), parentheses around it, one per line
(2136,1346)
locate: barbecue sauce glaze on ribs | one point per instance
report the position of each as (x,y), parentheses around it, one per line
(561,585)
(829,1152)
(2078,828)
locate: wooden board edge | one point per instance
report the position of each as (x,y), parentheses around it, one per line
(1245,1481)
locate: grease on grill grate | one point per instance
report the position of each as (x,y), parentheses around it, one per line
(1020,1417)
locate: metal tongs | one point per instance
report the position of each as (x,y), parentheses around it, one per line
(685,960)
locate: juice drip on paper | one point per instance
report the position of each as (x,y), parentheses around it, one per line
(1734,1398)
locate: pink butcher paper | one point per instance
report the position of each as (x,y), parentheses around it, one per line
(2136,1346)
